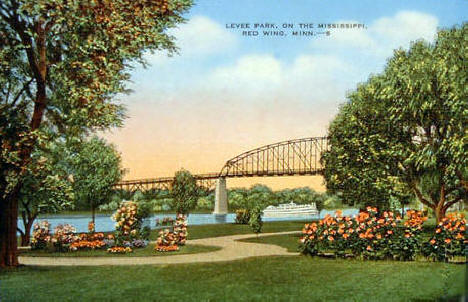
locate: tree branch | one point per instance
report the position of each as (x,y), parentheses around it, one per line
(421,197)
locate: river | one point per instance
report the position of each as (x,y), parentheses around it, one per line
(104,223)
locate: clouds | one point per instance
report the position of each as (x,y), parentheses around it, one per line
(382,36)
(225,94)
(200,36)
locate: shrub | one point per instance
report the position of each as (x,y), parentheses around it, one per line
(41,235)
(63,237)
(129,219)
(167,241)
(242,216)
(448,239)
(165,221)
(180,229)
(367,236)
(255,220)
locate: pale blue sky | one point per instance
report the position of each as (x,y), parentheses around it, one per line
(226,93)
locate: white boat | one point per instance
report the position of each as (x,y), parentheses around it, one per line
(290,210)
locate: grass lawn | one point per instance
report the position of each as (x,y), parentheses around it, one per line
(141,252)
(295,278)
(217,230)
(288,241)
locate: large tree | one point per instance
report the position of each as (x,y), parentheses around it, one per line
(406,131)
(61,64)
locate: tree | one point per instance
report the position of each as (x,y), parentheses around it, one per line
(405,131)
(46,188)
(359,165)
(61,64)
(95,166)
(184,192)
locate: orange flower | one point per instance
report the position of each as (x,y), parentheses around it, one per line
(338,213)
(432,241)
(369,248)
(345,236)
(460,236)
(330,238)
(448,240)
(407,235)
(438,231)
(389,232)
(378,236)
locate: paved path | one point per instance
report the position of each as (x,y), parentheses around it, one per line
(231,249)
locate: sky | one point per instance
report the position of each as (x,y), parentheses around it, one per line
(225,92)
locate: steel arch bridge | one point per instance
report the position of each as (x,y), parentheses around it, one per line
(286,158)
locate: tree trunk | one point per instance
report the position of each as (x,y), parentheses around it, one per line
(439,212)
(93,213)
(26,237)
(8,229)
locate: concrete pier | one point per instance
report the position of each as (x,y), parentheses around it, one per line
(221,200)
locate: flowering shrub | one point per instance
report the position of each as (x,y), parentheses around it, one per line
(368,235)
(448,239)
(166,221)
(64,235)
(408,241)
(180,229)
(242,216)
(119,250)
(41,235)
(167,241)
(127,221)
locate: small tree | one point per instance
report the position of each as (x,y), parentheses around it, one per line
(255,220)
(96,167)
(47,188)
(184,192)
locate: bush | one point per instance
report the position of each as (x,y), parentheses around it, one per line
(129,219)
(41,235)
(255,220)
(242,216)
(448,239)
(167,242)
(180,229)
(368,235)
(63,237)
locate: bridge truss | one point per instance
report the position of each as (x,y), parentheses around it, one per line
(287,158)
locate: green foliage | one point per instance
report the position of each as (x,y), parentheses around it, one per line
(255,220)
(242,216)
(95,166)
(403,133)
(184,192)
(448,239)
(61,65)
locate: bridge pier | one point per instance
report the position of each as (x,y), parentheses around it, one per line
(221,205)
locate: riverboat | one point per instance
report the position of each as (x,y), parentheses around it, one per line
(290,209)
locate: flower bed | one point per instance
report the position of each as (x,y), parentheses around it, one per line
(373,236)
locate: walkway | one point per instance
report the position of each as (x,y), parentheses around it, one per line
(231,249)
